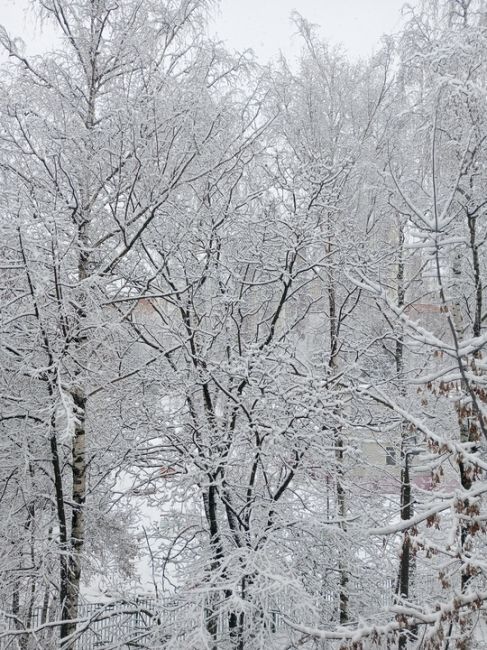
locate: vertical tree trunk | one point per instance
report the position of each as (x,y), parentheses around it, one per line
(339,446)
(405,503)
(70,605)
(342,513)
(76,538)
(210,505)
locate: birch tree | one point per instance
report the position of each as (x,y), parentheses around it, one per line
(95,140)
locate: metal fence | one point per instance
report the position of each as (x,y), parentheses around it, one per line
(144,622)
(122,625)
(116,624)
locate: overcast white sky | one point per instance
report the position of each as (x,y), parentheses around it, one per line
(263,25)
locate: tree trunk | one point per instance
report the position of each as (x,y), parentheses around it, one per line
(72,588)
(406,504)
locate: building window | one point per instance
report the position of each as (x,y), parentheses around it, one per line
(390,456)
